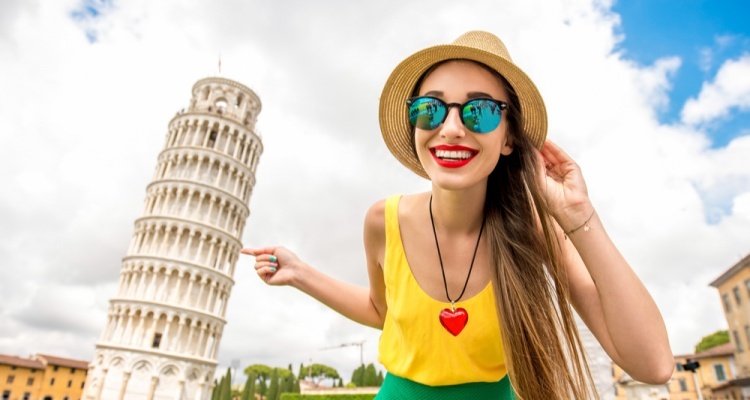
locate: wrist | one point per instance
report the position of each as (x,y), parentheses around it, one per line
(573,218)
(301,276)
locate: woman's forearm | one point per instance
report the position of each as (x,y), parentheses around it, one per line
(351,301)
(632,320)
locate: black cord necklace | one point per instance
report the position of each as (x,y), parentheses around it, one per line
(454,320)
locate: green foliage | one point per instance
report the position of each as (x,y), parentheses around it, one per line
(380,378)
(358,376)
(215,392)
(293,396)
(226,386)
(262,372)
(319,372)
(371,376)
(248,393)
(367,376)
(715,339)
(287,384)
(273,391)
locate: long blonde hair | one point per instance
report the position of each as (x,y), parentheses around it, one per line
(544,353)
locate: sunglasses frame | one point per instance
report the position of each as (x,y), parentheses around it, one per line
(501,104)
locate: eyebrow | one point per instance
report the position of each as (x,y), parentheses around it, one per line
(471,95)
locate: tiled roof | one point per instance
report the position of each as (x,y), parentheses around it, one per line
(20,362)
(63,362)
(726,349)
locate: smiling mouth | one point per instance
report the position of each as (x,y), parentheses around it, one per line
(453,155)
(453,158)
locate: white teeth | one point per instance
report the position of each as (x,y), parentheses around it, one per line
(456,155)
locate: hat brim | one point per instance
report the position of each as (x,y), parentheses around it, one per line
(394,116)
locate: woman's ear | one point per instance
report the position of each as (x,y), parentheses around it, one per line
(507,146)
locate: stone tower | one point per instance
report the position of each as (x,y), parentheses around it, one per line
(165,322)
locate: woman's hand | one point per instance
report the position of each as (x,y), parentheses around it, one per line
(276,265)
(563,186)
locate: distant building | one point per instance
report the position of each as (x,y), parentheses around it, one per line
(734,291)
(41,377)
(717,369)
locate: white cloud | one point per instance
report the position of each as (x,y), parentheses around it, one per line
(729,90)
(82,125)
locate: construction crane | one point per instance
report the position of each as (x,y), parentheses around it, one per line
(361,349)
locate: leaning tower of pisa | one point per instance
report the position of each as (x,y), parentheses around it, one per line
(166,320)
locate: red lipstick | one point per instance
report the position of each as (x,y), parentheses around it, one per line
(462,156)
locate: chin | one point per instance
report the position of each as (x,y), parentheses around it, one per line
(456,182)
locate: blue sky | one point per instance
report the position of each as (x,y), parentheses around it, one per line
(689,29)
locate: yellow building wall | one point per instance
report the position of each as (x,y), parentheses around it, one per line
(676,391)
(735,299)
(707,374)
(67,382)
(20,381)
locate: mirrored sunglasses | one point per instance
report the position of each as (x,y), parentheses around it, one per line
(481,115)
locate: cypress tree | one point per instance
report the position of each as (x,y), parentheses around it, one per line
(226,387)
(380,378)
(215,392)
(358,376)
(249,389)
(273,391)
(370,376)
(252,378)
(288,386)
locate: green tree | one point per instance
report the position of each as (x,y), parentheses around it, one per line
(215,392)
(287,385)
(371,376)
(226,387)
(319,372)
(380,378)
(358,376)
(262,372)
(262,388)
(249,391)
(712,340)
(273,391)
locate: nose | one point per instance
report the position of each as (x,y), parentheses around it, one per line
(453,127)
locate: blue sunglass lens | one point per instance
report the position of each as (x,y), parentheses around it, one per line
(478,115)
(481,116)
(427,113)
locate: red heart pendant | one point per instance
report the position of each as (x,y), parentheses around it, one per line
(454,321)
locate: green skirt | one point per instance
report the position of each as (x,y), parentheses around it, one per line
(397,388)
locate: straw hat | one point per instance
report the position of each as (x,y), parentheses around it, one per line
(482,47)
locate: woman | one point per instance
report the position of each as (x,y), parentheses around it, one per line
(472,283)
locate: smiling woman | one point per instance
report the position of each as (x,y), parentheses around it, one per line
(474,282)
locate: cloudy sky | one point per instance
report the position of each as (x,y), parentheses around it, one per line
(651,98)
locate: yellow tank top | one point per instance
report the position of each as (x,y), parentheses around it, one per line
(414,344)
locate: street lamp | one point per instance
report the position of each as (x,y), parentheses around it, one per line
(692,366)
